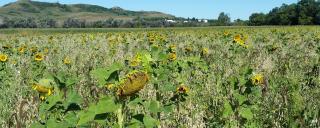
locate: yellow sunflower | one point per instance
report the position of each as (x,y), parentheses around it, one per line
(38,57)
(66,61)
(172,56)
(257,79)
(3,57)
(182,89)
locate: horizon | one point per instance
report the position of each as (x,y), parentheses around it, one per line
(205,9)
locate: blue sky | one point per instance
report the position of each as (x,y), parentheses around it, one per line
(186,8)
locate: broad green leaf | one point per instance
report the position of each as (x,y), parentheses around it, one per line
(87,116)
(240,98)
(73,98)
(37,125)
(227,109)
(105,105)
(103,74)
(154,106)
(168,108)
(71,119)
(134,103)
(150,122)
(246,113)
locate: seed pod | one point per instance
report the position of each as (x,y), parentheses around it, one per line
(133,83)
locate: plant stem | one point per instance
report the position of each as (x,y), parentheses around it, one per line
(120,116)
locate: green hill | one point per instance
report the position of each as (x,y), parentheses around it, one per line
(61,12)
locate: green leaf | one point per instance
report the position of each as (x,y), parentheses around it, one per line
(105,105)
(240,98)
(246,113)
(37,125)
(71,119)
(103,74)
(168,108)
(154,106)
(87,116)
(150,122)
(71,81)
(73,98)
(100,74)
(52,123)
(61,77)
(52,101)
(227,109)
(134,103)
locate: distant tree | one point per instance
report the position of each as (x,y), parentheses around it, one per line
(47,23)
(223,19)
(239,22)
(74,23)
(257,19)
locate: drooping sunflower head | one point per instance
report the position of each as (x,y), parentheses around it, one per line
(257,79)
(43,90)
(133,83)
(38,57)
(3,57)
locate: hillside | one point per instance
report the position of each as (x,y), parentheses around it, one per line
(61,12)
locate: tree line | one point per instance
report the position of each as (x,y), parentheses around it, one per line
(305,12)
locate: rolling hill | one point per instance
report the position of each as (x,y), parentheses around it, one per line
(61,12)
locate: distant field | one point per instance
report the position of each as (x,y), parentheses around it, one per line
(160,77)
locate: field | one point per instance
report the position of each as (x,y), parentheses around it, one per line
(184,77)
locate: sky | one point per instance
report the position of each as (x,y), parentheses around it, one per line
(207,9)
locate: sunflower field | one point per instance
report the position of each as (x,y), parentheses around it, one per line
(184,78)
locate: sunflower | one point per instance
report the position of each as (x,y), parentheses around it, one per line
(188,49)
(237,38)
(43,91)
(225,33)
(257,79)
(38,57)
(182,89)
(136,61)
(205,51)
(172,48)
(66,60)
(172,56)
(3,57)
(21,49)
(133,83)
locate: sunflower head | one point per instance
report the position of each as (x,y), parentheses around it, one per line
(38,57)
(3,57)
(66,60)
(257,79)
(172,56)
(237,38)
(188,49)
(133,83)
(205,51)
(225,33)
(182,89)
(43,91)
